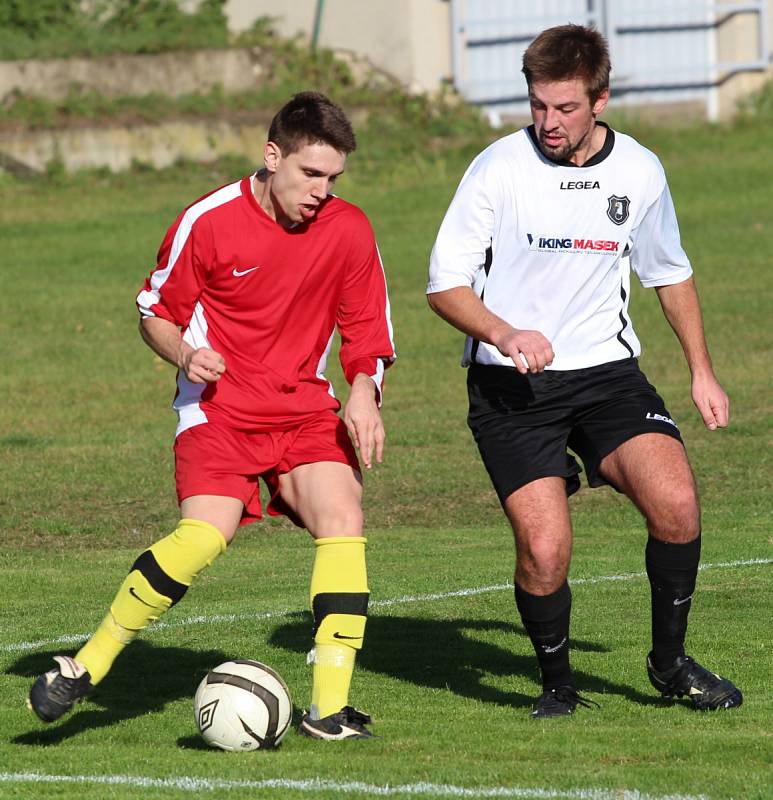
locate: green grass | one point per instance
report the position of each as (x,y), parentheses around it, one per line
(66,28)
(85,438)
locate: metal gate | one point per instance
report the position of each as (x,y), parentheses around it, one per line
(662,51)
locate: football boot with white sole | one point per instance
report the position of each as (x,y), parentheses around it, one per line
(706,690)
(348,723)
(54,693)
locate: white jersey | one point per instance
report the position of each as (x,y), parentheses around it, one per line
(549,246)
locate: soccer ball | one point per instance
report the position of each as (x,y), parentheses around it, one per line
(243,705)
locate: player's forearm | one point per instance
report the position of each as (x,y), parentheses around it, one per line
(164,339)
(682,310)
(463,309)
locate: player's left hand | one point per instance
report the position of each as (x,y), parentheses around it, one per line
(711,400)
(363,420)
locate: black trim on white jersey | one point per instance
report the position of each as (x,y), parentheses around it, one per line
(486,268)
(597,158)
(625,325)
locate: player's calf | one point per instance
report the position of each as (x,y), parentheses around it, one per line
(339,601)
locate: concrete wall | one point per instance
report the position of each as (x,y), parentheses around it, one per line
(117,148)
(172,74)
(410,39)
(737,41)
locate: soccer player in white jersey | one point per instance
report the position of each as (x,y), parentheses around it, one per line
(530,262)
(251,282)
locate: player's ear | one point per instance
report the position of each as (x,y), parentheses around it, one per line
(272,155)
(601,102)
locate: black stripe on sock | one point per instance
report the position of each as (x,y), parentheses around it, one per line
(324,603)
(157,578)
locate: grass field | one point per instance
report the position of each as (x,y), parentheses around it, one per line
(85,438)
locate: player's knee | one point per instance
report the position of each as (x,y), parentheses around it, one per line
(542,564)
(677,515)
(340,521)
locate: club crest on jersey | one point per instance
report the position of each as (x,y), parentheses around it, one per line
(617,209)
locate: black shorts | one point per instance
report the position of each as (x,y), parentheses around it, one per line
(523,424)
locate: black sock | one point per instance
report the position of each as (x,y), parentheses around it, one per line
(672,569)
(546,619)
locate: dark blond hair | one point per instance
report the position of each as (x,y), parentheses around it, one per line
(308,118)
(566,52)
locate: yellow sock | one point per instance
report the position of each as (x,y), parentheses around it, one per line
(98,654)
(157,580)
(339,602)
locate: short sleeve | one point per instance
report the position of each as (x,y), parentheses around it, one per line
(174,286)
(657,256)
(466,231)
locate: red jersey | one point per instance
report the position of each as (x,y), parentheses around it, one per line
(268,299)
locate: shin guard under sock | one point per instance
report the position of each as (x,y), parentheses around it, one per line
(339,602)
(157,580)
(672,570)
(546,619)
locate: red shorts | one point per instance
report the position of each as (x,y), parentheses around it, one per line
(215,459)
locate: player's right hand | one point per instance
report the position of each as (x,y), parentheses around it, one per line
(530,351)
(202,365)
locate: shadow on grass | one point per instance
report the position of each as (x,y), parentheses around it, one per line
(437,654)
(144,680)
(193,743)
(197,743)
(450,654)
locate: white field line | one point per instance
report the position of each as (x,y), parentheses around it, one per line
(316,785)
(213,619)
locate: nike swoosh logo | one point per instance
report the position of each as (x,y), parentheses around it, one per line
(680,602)
(547,649)
(338,635)
(137,597)
(238,274)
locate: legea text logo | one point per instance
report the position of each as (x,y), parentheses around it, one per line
(573,245)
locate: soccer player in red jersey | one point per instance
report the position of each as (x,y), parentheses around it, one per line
(251,282)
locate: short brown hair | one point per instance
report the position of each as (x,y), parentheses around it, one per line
(308,118)
(566,52)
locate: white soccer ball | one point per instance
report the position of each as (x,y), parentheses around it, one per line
(243,705)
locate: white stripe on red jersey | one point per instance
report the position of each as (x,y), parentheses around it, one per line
(150,295)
